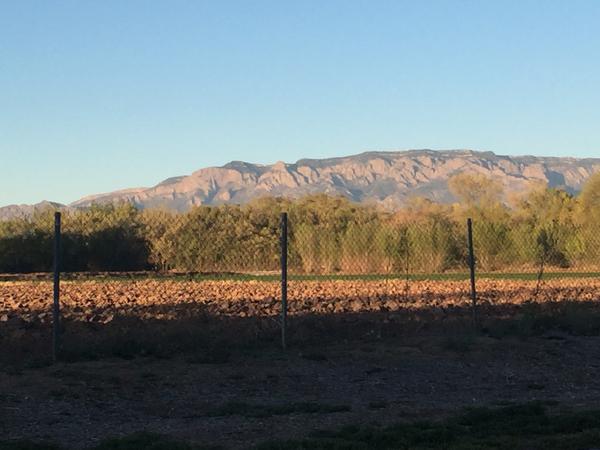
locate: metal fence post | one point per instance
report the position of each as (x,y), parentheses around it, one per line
(472,268)
(56,304)
(284,262)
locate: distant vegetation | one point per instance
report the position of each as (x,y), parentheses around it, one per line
(544,228)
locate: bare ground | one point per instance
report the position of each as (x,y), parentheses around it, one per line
(266,393)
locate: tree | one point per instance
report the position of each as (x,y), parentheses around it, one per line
(475,190)
(481,200)
(544,228)
(587,216)
(431,238)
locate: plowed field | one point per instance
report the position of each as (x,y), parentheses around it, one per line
(102,301)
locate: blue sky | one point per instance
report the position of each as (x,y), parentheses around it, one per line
(101,95)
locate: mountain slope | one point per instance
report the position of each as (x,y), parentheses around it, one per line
(23,211)
(387,178)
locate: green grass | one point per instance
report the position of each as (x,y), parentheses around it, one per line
(451,276)
(271,277)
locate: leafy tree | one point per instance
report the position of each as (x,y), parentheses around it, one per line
(475,190)
(587,217)
(546,227)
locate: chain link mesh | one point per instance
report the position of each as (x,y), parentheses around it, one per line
(132,270)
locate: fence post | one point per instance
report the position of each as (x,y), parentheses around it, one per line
(284,262)
(472,268)
(56,304)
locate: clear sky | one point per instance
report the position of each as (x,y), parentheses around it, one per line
(101,95)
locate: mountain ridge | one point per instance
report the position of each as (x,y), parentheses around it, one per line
(388,178)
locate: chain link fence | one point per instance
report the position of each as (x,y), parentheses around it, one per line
(157,283)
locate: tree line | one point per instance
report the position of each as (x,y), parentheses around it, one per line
(542,228)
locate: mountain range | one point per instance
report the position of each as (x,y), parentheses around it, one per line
(386,178)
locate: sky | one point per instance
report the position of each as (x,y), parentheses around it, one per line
(102,95)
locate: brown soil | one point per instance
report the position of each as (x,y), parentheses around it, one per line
(360,352)
(102,301)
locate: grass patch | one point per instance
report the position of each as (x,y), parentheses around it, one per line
(261,411)
(272,277)
(528,426)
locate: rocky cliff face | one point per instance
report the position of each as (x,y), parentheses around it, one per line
(16,211)
(387,178)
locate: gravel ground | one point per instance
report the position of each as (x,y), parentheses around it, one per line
(369,382)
